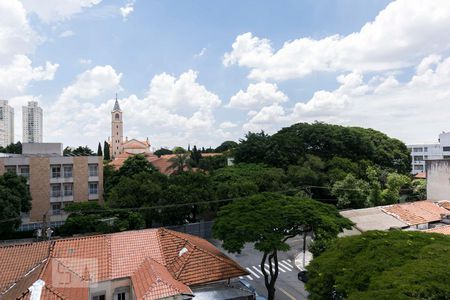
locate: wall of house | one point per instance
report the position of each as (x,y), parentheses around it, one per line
(438,179)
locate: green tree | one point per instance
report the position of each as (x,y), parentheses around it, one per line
(180,162)
(195,155)
(135,191)
(14,198)
(395,182)
(134,165)
(375,196)
(15,148)
(383,265)
(252,149)
(99,150)
(226,146)
(351,193)
(79,151)
(106,154)
(162,151)
(179,150)
(419,189)
(268,220)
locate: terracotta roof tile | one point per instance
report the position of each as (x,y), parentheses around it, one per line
(193,260)
(445,204)
(153,281)
(160,262)
(18,260)
(442,229)
(141,244)
(92,252)
(414,213)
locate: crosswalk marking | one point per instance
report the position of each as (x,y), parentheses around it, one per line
(253,273)
(284,266)
(258,270)
(286,262)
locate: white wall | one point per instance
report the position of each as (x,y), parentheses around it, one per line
(438,180)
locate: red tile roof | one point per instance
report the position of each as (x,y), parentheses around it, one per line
(158,261)
(444,203)
(152,280)
(414,213)
(442,229)
(421,175)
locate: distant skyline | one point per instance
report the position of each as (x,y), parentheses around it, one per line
(201,72)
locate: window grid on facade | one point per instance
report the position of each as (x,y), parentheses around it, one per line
(24,171)
(56,190)
(93,170)
(68,189)
(56,171)
(93,188)
(68,171)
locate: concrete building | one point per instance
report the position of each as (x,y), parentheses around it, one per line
(438,179)
(6,123)
(55,180)
(422,152)
(32,123)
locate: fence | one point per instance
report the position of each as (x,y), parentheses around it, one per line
(200,229)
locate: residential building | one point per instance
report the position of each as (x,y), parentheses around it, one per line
(6,123)
(32,123)
(54,180)
(438,179)
(143,264)
(422,152)
(418,215)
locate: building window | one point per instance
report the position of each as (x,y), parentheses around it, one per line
(68,171)
(56,208)
(425,149)
(56,190)
(56,171)
(68,189)
(418,158)
(99,297)
(418,167)
(11,169)
(93,170)
(417,149)
(446,156)
(121,293)
(24,171)
(93,188)
(447,148)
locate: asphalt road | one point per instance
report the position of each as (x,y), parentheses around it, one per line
(287,286)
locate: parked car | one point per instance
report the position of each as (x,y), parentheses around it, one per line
(251,288)
(303,276)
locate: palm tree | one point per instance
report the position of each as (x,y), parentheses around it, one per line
(180,162)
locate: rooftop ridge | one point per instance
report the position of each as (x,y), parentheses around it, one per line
(228,261)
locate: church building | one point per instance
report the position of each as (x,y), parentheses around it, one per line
(117,144)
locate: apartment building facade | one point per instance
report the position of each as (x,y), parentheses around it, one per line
(55,180)
(6,123)
(420,153)
(32,118)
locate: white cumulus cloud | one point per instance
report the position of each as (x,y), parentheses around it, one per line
(127,9)
(401,34)
(50,11)
(257,95)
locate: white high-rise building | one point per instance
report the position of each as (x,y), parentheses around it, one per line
(32,123)
(6,123)
(422,152)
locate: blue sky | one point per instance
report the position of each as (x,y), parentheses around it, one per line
(202,72)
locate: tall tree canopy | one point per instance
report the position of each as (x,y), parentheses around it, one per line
(383,265)
(268,220)
(136,164)
(326,141)
(15,148)
(99,149)
(79,151)
(106,154)
(15,198)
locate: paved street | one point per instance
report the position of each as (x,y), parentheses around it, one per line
(288,287)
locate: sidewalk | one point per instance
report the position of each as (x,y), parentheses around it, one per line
(299,260)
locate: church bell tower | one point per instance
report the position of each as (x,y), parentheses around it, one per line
(116,131)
